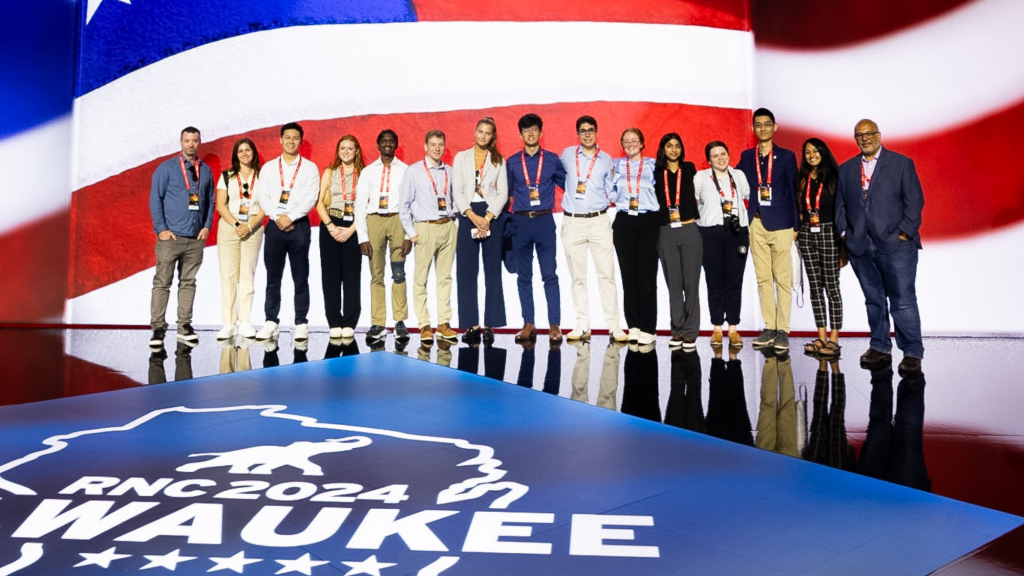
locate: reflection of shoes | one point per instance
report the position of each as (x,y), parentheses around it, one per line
(245,330)
(578,334)
(873,356)
(158,337)
(768,352)
(245,343)
(645,348)
(529,332)
(426,335)
(445,332)
(765,339)
(472,336)
(226,333)
(643,338)
(634,334)
(335,333)
(444,345)
(348,332)
(830,351)
(401,332)
(301,332)
(579,345)
(400,346)
(158,353)
(814,347)
(302,345)
(676,341)
(186,333)
(781,340)
(909,365)
(376,345)
(619,335)
(716,339)
(734,340)
(269,345)
(376,332)
(185,348)
(487,335)
(268,332)
(689,343)
(227,343)
(555,333)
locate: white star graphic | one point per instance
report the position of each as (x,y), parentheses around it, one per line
(169,560)
(237,563)
(94,5)
(302,564)
(102,559)
(368,566)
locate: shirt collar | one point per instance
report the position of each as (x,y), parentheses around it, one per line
(431,164)
(877,154)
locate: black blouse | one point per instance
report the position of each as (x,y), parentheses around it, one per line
(827,208)
(687,197)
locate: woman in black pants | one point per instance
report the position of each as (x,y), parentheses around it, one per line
(340,259)
(679,244)
(635,235)
(819,242)
(721,192)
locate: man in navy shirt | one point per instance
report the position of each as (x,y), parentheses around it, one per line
(532,176)
(771,172)
(181,205)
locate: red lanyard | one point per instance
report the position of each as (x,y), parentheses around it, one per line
(732,185)
(540,168)
(427,168)
(757,163)
(592,162)
(480,171)
(181,160)
(280,168)
(355,179)
(679,186)
(385,175)
(864,180)
(817,199)
(252,182)
(629,179)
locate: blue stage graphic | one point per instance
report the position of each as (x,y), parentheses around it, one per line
(380,464)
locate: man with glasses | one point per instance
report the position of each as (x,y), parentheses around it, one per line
(181,204)
(878,211)
(771,172)
(585,224)
(532,176)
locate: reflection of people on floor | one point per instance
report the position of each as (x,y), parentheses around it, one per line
(494,360)
(685,408)
(157,374)
(270,350)
(580,371)
(828,444)
(610,375)
(337,347)
(727,404)
(527,362)
(894,449)
(182,363)
(640,383)
(235,358)
(776,419)
(444,353)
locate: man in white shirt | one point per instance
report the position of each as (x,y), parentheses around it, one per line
(287,189)
(380,232)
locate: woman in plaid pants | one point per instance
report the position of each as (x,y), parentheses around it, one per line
(819,242)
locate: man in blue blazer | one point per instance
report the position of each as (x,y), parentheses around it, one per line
(878,211)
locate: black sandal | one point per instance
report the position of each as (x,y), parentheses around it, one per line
(831,350)
(815,347)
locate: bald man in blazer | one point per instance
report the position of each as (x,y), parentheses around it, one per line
(878,210)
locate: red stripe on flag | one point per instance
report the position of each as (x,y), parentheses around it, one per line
(113,232)
(35,269)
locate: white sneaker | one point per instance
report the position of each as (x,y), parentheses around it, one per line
(301,332)
(245,330)
(578,334)
(337,332)
(634,334)
(643,338)
(268,332)
(226,332)
(347,332)
(619,336)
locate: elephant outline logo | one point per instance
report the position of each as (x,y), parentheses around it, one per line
(264,460)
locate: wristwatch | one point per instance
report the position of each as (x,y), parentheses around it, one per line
(237,223)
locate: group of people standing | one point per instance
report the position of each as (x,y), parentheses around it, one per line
(667,211)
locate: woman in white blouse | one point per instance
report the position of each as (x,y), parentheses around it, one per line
(239,236)
(722,193)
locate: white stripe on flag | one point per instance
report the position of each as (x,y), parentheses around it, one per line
(37,164)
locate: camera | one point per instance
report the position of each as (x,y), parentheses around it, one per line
(731,222)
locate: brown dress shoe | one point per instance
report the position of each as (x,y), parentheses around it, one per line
(529,332)
(734,340)
(716,339)
(555,333)
(445,332)
(873,356)
(426,335)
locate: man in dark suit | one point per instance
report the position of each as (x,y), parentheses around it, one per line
(878,211)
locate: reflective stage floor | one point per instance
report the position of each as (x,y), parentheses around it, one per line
(954,431)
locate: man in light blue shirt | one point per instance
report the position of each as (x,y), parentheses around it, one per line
(427,213)
(585,224)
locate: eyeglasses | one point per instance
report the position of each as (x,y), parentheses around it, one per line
(587,131)
(864,135)
(759,125)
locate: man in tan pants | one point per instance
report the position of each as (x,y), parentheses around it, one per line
(427,216)
(380,234)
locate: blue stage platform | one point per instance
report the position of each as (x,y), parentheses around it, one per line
(380,464)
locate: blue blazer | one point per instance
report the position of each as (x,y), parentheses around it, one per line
(893,205)
(783,211)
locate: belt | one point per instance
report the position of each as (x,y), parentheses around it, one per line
(534,213)
(438,221)
(690,221)
(758,215)
(336,212)
(587,215)
(387,215)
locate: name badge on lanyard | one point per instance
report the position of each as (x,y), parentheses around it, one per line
(348,214)
(674,220)
(382,204)
(634,201)
(813,218)
(533,188)
(442,197)
(243,197)
(193,195)
(286,193)
(581,187)
(764,185)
